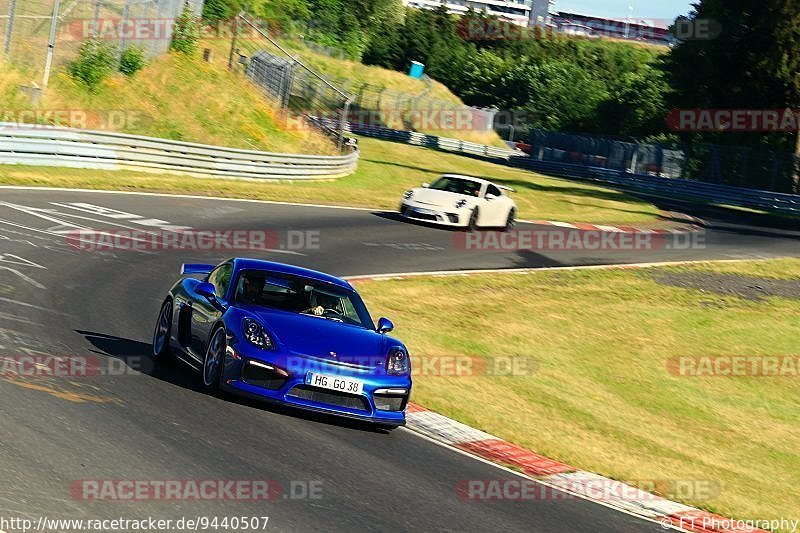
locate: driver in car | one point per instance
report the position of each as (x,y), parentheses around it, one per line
(252,285)
(320,302)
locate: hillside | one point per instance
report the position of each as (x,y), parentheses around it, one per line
(174,97)
(373,88)
(188,99)
(388,90)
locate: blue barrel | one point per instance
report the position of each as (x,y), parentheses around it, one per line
(416,69)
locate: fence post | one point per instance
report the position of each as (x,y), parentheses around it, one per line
(12,10)
(125,14)
(51,44)
(343,123)
(795,188)
(233,40)
(96,18)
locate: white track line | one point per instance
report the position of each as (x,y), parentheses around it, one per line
(271,202)
(447,273)
(189,196)
(536,480)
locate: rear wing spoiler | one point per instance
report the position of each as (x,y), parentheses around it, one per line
(506,188)
(193,268)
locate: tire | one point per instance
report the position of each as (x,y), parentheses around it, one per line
(214,361)
(472,225)
(162,332)
(511,221)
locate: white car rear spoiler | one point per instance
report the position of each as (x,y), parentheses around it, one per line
(505,188)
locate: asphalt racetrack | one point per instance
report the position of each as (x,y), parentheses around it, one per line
(140,423)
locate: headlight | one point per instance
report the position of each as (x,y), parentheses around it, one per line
(460,204)
(254,332)
(398,363)
(407,195)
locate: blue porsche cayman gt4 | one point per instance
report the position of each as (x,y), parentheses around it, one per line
(287,334)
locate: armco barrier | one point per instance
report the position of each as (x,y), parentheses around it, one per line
(673,188)
(65,147)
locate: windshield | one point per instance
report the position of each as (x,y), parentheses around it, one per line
(457,185)
(301,295)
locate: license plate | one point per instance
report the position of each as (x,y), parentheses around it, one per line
(327,381)
(421,211)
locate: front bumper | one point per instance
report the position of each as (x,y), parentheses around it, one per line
(426,213)
(382,401)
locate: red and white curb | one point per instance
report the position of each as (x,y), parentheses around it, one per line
(593,487)
(693,227)
(691,224)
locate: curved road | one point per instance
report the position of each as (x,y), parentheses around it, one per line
(144,424)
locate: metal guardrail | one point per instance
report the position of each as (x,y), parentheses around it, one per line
(657,185)
(65,147)
(428,141)
(669,187)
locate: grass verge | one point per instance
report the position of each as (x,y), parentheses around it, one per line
(173,97)
(602,397)
(386,170)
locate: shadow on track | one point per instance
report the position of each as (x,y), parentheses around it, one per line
(136,356)
(396,217)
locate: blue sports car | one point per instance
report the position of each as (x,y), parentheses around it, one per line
(287,334)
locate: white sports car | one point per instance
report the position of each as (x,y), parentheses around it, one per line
(461,201)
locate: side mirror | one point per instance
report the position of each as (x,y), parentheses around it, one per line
(490,196)
(385,326)
(206,289)
(426,185)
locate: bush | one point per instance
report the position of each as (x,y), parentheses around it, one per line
(131,61)
(95,62)
(186,33)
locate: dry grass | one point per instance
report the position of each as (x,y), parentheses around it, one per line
(602,398)
(174,97)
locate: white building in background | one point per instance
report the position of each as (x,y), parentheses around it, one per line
(516,11)
(542,12)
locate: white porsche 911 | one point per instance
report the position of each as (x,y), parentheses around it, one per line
(461,201)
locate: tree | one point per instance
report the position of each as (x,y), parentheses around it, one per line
(186,32)
(637,104)
(216,10)
(94,63)
(753,64)
(559,94)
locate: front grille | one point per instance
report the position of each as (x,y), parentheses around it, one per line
(421,216)
(385,402)
(262,377)
(330,397)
